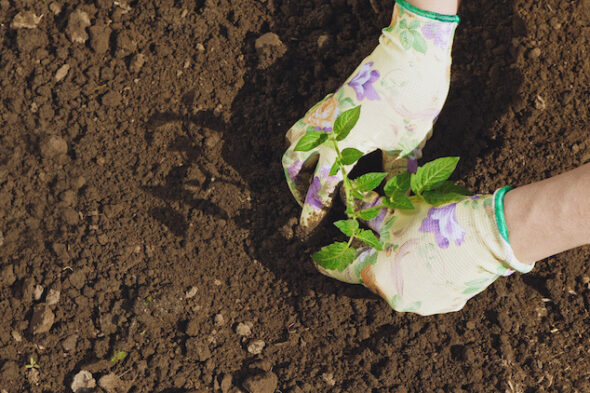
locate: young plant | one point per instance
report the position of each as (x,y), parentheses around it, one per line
(430,183)
(119,355)
(32,364)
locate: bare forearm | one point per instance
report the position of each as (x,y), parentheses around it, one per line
(550,216)
(448,7)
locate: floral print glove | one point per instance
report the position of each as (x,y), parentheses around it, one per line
(401,88)
(436,258)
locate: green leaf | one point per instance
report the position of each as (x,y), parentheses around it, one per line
(399,200)
(405,39)
(345,122)
(369,181)
(348,227)
(369,237)
(119,355)
(369,214)
(432,173)
(436,198)
(351,155)
(311,140)
(335,168)
(357,194)
(448,186)
(419,43)
(398,183)
(336,256)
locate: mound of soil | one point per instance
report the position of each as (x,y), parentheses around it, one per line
(146,231)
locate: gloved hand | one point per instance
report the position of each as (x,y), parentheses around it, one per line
(401,88)
(436,258)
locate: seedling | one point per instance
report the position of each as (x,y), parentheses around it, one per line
(32,364)
(430,183)
(119,355)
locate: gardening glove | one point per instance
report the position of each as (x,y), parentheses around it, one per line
(401,88)
(434,259)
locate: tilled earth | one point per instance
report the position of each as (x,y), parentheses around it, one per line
(146,231)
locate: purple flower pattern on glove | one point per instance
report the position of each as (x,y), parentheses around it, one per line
(362,83)
(322,181)
(294,169)
(442,221)
(440,33)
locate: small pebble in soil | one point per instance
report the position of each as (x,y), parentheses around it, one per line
(16,336)
(243,329)
(219,320)
(534,53)
(191,293)
(261,383)
(62,72)
(38,292)
(83,382)
(55,8)
(42,319)
(25,20)
(78,21)
(7,276)
(255,347)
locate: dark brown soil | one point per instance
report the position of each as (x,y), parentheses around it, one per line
(151,196)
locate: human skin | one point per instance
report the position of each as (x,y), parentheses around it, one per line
(549,216)
(447,7)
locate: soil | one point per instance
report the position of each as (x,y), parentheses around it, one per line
(146,230)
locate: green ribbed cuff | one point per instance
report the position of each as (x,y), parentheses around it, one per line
(428,14)
(499,211)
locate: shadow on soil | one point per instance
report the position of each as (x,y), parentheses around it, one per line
(483,87)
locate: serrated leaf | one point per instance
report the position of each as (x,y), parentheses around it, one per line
(335,168)
(311,140)
(369,214)
(348,227)
(369,238)
(369,181)
(351,155)
(345,122)
(399,200)
(436,198)
(398,183)
(336,256)
(448,186)
(432,173)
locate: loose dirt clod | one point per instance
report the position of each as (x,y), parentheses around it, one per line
(243,329)
(255,347)
(99,38)
(83,382)
(77,24)
(42,319)
(111,383)
(269,48)
(25,20)
(53,146)
(261,383)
